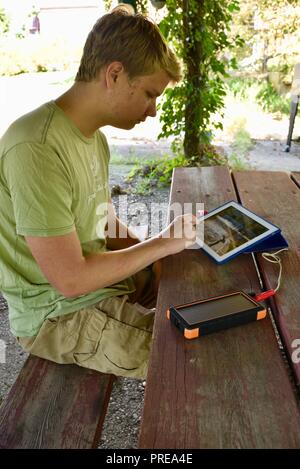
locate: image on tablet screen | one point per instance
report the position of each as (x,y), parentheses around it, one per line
(228,229)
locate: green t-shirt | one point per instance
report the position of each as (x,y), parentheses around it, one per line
(53,181)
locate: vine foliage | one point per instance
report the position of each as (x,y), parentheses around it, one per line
(4,21)
(198,30)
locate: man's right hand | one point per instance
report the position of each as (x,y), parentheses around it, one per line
(181,232)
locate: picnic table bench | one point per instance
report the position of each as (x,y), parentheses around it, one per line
(54,406)
(237,388)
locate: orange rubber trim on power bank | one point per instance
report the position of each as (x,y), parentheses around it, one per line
(261,315)
(191,333)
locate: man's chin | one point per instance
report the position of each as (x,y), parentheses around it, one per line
(128,126)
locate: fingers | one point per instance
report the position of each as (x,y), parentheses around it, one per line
(182,228)
(186,227)
(201,213)
(187,218)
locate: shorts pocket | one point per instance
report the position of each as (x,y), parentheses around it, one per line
(125,348)
(89,336)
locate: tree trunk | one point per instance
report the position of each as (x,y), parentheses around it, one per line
(193,59)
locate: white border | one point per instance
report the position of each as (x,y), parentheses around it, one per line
(271,230)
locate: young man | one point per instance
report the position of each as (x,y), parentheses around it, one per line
(75,295)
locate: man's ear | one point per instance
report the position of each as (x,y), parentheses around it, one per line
(113,72)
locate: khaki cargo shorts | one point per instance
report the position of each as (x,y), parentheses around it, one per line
(112,336)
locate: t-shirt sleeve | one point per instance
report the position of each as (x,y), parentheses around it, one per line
(40,189)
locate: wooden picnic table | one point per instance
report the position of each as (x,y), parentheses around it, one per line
(237,388)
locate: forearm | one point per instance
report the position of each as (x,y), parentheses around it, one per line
(101,270)
(63,264)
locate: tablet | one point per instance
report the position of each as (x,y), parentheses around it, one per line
(232,229)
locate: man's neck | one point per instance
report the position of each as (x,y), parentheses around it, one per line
(79,104)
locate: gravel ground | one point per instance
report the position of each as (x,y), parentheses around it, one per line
(13,353)
(121,427)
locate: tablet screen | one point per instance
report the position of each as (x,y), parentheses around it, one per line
(232,228)
(229,229)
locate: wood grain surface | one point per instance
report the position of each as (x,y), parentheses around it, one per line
(276,197)
(230,389)
(71,418)
(296,178)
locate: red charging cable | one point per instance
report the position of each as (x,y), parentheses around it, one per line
(264,295)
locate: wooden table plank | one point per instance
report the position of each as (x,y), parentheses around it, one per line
(296,178)
(276,197)
(78,397)
(227,390)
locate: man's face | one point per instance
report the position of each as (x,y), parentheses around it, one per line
(134,100)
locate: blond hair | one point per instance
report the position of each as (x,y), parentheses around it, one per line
(124,6)
(133,40)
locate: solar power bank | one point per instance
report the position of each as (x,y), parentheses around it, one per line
(203,317)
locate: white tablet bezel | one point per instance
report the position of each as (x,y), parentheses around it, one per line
(271,229)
